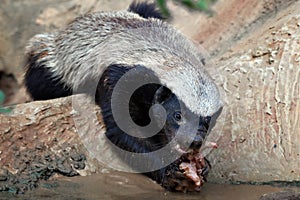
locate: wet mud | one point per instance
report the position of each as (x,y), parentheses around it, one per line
(123,186)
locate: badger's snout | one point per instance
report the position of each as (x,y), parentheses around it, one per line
(202,132)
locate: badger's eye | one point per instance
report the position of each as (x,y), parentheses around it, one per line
(177,116)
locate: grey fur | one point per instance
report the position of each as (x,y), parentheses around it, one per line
(92,42)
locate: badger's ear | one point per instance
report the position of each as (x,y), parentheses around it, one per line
(162,94)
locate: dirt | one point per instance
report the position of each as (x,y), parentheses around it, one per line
(283,195)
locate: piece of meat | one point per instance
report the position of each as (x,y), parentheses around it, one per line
(193,165)
(190,170)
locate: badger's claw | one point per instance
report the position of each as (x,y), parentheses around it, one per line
(206,169)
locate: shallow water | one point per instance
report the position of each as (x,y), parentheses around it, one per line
(122,186)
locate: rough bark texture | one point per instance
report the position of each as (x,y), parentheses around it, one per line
(39,140)
(233,21)
(259,137)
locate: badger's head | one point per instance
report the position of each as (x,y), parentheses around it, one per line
(195,127)
(180,110)
(191,116)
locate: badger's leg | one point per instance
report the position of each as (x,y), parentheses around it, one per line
(41,84)
(206,169)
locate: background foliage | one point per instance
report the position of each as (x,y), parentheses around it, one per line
(199,5)
(2,99)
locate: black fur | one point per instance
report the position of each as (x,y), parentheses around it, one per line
(40,82)
(145,10)
(139,105)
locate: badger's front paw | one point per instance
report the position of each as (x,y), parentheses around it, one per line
(205,169)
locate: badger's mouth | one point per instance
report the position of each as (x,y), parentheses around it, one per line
(189,172)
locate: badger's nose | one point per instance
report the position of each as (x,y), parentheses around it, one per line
(197,143)
(201,133)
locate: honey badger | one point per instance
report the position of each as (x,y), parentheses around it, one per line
(100,48)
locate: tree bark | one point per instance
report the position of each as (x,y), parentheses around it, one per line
(259,130)
(40,139)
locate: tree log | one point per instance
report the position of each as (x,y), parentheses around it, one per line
(259,131)
(40,139)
